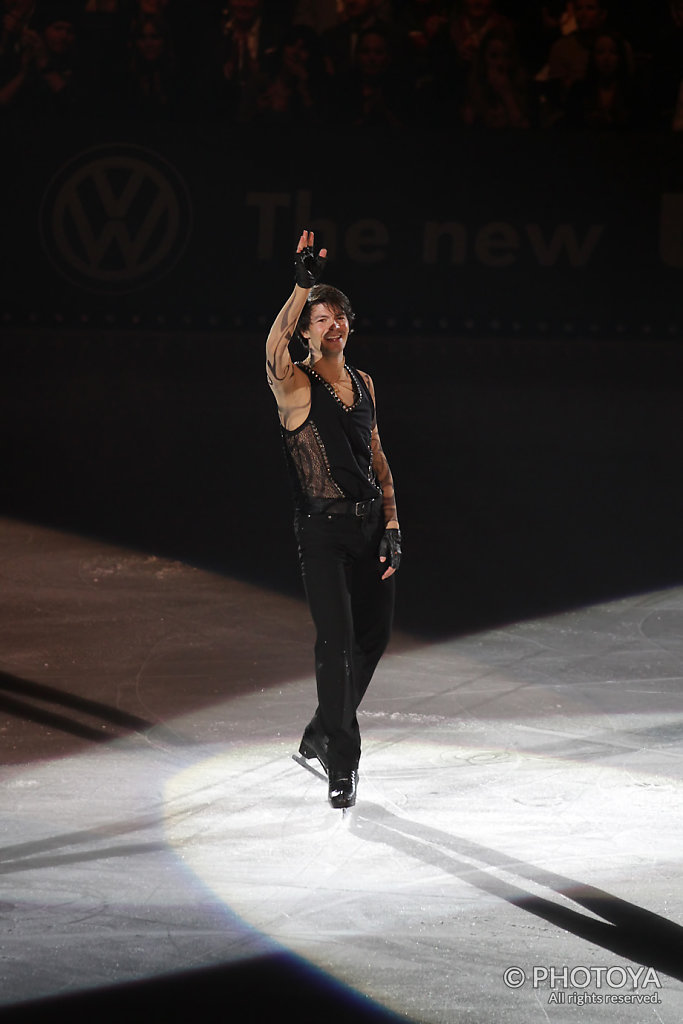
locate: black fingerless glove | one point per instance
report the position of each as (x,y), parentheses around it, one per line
(390,548)
(308,268)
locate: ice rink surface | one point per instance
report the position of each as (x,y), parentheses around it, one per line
(514,855)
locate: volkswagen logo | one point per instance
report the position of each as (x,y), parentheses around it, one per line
(116,218)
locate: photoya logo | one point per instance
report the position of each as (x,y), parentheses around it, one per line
(116,218)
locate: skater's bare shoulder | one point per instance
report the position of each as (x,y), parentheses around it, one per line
(368,381)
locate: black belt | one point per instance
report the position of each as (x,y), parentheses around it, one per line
(339,508)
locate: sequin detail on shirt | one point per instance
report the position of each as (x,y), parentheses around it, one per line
(330,387)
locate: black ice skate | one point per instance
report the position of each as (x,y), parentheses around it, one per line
(342,788)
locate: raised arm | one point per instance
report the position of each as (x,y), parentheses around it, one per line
(308,268)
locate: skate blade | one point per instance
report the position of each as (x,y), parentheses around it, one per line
(309,767)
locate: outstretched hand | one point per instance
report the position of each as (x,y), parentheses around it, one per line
(390,551)
(308,268)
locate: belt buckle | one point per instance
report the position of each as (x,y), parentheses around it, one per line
(360,509)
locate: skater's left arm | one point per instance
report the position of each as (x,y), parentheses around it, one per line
(390,546)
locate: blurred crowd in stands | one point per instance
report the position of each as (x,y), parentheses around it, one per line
(379,64)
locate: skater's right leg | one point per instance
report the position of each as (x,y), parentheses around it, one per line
(324,560)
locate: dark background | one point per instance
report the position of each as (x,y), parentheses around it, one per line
(532,474)
(531,411)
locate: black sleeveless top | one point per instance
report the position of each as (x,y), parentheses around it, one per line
(329,456)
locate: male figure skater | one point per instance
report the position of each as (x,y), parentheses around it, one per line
(345,522)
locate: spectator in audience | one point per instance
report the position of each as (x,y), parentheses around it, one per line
(340,42)
(188,21)
(296,90)
(420,23)
(14,39)
(46,82)
(497,93)
(16,15)
(451,55)
(557,17)
(178,62)
(568,58)
(245,54)
(151,80)
(376,92)
(247,39)
(472,20)
(606,97)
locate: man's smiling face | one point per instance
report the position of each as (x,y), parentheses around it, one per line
(328,330)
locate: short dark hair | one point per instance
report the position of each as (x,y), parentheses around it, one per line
(323,295)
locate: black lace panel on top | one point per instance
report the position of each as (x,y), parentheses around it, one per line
(307,457)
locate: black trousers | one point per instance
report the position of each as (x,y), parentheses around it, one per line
(352,610)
